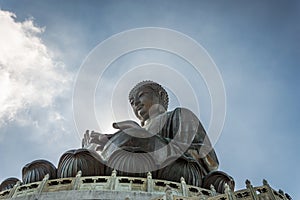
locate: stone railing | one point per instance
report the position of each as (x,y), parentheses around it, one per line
(264,192)
(103,183)
(159,189)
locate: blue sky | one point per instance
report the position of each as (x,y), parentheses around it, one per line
(255,45)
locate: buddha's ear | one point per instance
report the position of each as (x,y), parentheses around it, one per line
(161,99)
(160,96)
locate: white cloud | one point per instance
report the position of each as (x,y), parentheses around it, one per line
(30,77)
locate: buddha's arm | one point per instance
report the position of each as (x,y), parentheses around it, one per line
(200,148)
(205,150)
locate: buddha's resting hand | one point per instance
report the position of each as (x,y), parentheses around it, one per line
(94,140)
(126,125)
(133,129)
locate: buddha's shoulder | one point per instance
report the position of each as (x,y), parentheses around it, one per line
(181,111)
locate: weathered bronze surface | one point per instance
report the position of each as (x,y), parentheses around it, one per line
(171,144)
(36,171)
(84,160)
(8,183)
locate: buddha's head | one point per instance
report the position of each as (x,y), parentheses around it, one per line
(148,99)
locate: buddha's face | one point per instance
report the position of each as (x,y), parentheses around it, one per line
(144,103)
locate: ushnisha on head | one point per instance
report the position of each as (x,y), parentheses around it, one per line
(148,99)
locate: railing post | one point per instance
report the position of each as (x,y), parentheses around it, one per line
(113,180)
(229,192)
(213,190)
(183,187)
(76,183)
(41,186)
(250,188)
(270,190)
(14,189)
(149,182)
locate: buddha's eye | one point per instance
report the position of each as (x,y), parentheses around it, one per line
(131,101)
(141,94)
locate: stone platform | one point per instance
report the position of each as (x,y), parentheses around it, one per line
(131,188)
